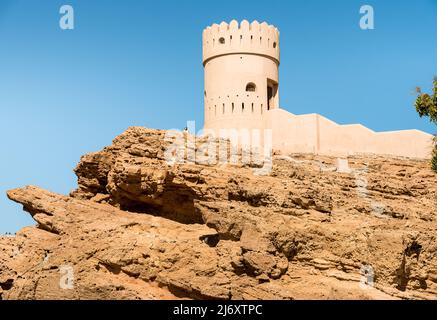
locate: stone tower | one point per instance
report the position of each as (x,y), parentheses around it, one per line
(241,74)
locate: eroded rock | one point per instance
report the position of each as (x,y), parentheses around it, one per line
(139,228)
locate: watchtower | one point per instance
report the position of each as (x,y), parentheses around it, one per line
(241,64)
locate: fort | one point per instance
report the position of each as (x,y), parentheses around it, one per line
(241,66)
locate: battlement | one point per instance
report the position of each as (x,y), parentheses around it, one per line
(248,38)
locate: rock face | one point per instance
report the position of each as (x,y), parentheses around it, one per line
(138,228)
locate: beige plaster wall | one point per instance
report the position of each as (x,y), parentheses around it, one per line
(314,133)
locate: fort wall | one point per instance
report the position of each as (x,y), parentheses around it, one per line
(314,133)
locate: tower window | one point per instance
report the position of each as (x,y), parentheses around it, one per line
(272,90)
(222,40)
(251,87)
(274,44)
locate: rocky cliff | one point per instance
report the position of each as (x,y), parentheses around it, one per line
(313,228)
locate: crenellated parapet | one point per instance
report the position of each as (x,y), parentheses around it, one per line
(248,38)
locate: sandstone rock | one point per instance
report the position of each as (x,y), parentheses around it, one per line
(139,228)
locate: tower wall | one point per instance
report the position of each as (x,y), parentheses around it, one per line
(240,63)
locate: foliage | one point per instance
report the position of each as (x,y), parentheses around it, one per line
(434,157)
(426,106)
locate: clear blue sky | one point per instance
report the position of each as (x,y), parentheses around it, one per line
(66,93)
